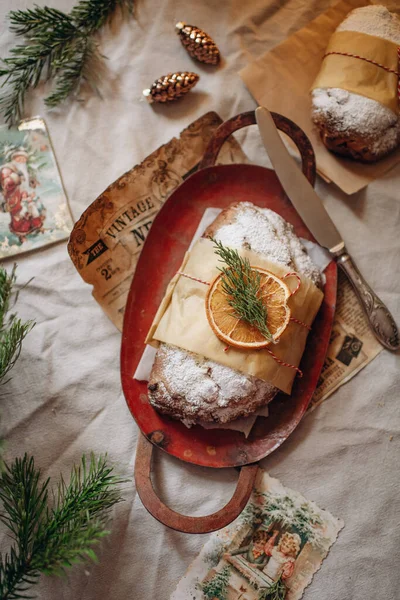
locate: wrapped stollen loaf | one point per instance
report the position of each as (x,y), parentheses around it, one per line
(190,384)
(355,101)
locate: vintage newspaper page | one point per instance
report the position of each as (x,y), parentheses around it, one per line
(106,241)
(352,345)
(272,550)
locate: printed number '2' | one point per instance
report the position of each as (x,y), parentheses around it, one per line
(106,273)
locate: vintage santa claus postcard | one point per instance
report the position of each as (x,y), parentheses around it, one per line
(34,210)
(270,552)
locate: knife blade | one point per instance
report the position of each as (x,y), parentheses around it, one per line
(310,208)
(297,187)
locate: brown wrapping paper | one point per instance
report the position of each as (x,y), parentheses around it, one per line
(181,319)
(357,75)
(281,80)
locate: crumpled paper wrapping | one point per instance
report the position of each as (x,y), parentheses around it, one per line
(181,319)
(357,75)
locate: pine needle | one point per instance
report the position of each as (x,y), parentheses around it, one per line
(276,591)
(93,14)
(49,540)
(57,45)
(46,538)
(12,329)
(73,71)
(241,284)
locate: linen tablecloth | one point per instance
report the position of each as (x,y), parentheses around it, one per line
(65,396)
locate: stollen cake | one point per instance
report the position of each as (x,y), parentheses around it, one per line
(354,125)
(193,389)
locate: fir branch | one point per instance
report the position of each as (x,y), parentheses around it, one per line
(36,20)
(49,540)
(44,54)
(72,71)
(12,330)
(93,14)
(276,591)
(241,283)
(217,586)
(11,345)
(6,285)
(58,44)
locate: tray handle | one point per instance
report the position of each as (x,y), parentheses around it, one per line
(184,523)
(249,118)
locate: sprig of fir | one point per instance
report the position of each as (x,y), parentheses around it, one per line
(216,587)
(12,329)
(47,540)
(276,591)
(241,284)
(58,45)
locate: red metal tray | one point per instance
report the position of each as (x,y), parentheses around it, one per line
(161,256)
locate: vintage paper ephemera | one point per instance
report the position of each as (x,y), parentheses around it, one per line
(33,206)
(352,345)
(174,323)
(272,550)
(292,67)
(106,241)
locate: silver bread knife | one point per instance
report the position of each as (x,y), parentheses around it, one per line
(312,211)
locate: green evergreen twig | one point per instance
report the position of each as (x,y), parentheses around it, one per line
(216,587)
(93,14)
(49,540)
(58,45)
(241,283)
(12,329)
(276,591)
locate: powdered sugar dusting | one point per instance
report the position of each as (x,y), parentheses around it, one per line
(201,381)
(373,20)
(265,232)
(195,389)
(348,114)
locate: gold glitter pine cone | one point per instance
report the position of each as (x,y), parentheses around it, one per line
(198,43)
(170,87)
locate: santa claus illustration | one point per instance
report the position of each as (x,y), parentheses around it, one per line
(18,201)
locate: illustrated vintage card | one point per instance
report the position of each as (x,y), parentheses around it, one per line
(270,552)
(34,210)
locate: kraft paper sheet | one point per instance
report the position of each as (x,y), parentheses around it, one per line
(181,319)
(281,80)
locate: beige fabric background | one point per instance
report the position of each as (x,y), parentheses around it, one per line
(65,397)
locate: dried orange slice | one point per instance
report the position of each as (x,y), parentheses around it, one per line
(236,332)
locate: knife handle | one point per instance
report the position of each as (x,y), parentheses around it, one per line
(379,317)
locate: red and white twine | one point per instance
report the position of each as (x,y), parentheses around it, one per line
(373,62)
(193,278)
(301,323)
(284,364)
(298,280)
